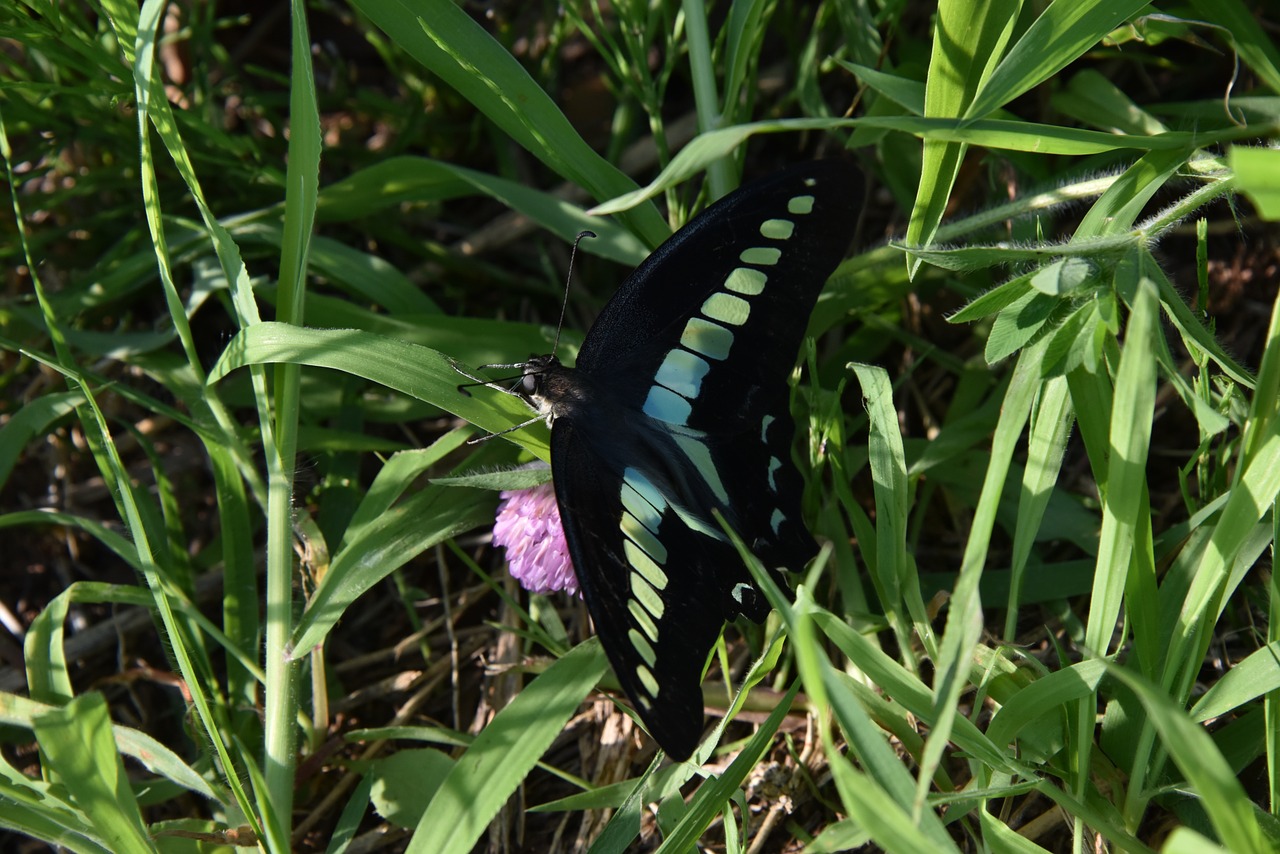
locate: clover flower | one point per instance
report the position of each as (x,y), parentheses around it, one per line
(528,527)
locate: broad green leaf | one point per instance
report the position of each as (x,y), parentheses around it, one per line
(405,782)
(1017,324)
(994,300)
(518,478)
(1062,277)
(1073,343)
(1259,172)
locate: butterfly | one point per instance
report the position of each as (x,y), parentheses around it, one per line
(678,406)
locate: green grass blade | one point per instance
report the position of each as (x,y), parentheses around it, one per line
(706,149)
(1055,139)
(423,520)
(880,799)
(160,760)
(964,613)
(1040,708)
(418,179)
(1257,674)
(1271,703)
(905,688)
(1058,37)
(1248,38)
(416,371)
(1051,421)
(969,38)
(32,420)
(714,796)
(77,743)
(889,477)
(1130,443)
(441,36)
(1193,751)
(279,441)
(503,754)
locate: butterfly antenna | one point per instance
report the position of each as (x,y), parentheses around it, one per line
(564,306)
(480,381)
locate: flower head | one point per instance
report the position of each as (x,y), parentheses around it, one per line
(528,527)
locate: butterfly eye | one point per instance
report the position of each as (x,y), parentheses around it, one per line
(529,383)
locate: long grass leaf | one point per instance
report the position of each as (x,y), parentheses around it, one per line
(416,371)
(1215,783)
(1060,35)
(441,36)
(506,750)
(1130,440)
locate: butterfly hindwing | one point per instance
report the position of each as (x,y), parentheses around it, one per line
(650,585)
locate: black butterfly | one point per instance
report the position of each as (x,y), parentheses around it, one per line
(679,406)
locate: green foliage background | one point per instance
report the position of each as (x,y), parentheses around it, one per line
(245,246)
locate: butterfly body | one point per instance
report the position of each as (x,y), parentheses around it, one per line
(678,408)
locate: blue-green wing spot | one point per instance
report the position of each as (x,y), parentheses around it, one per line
(746,280)
(678,409)
(647,595)
(774,465)
(663,404)
(698,453)
(800,205)
(682,372)
(643,564)
(727,308)
(765,256)
(709,339)
(777,229)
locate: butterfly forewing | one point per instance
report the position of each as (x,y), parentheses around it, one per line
(717,313)
(678,407)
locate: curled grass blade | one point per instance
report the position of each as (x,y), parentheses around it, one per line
(79,750)
(160,760)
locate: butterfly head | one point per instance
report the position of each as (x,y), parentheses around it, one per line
(547,387)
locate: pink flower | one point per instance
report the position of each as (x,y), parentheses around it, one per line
(528,527)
